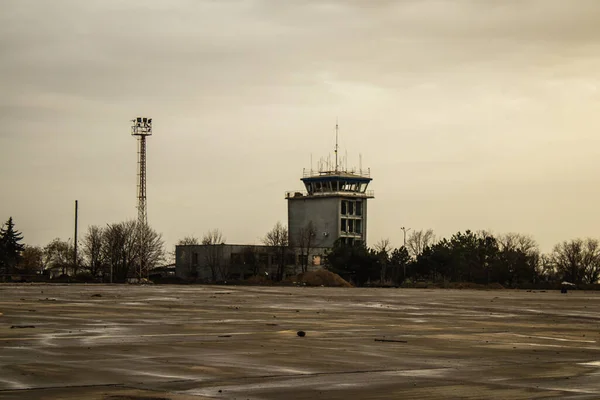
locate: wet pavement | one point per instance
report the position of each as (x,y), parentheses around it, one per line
(217,342)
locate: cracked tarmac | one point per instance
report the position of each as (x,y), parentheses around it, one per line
(126,342)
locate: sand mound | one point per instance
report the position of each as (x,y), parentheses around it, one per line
(321,278)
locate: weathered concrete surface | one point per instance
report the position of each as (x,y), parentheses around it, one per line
(204,342)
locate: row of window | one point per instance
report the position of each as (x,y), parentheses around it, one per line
(335,186)
(263,259)
(350,241)
(352,207)
(351,225)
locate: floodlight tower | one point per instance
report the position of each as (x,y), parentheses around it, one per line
(141,127)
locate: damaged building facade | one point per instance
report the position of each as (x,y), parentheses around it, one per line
(220,262)
(332,208)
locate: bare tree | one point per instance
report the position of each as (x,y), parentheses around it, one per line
(546,269)
(517,242)
(32,260)
(214,254)
(277,239)
(151,249)
(306,241)
(520,256)
(578,260)
(591,261)
(59,254)
(120,249)
(418,241)
(92,250)
(382,249)
(188,241)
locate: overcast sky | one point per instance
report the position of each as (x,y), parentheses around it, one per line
(470,114)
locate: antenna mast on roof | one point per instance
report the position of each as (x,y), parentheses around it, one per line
(360,163)
(336,144)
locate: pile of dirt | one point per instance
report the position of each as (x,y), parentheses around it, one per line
(495,285)
(321,278)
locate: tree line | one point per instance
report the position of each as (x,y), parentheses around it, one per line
(112,254)
(481,257)
(511,260)
(128,249)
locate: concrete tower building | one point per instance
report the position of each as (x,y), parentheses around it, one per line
(334,206)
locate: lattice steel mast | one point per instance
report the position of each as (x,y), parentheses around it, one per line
(141,128)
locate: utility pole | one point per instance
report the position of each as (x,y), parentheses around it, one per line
(405,230)
(111,266)
(75,242)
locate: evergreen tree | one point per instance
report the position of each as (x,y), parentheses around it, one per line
(10,247)
(355,263)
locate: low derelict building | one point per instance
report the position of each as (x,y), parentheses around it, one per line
(220,262)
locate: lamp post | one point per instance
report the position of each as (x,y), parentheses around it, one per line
(404,230)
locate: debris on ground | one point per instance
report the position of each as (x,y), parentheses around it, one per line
(391,340)
(301,333)
(21,326)
(96,295)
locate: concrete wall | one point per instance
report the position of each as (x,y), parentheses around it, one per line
(324,212)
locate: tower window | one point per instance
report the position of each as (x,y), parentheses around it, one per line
(359,208)
(344,207)
(344,225)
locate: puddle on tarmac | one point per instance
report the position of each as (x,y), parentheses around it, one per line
(591,364)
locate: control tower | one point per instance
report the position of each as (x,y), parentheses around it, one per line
(334,205)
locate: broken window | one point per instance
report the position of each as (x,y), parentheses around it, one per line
(303,259)
(290,259)
(358,226)
(344,207)
(350,225)
(275,259)
(358,208)
(350,208)
(344,225)
(263,258)
(249,257)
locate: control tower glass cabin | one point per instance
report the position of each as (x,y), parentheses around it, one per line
(336,204)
